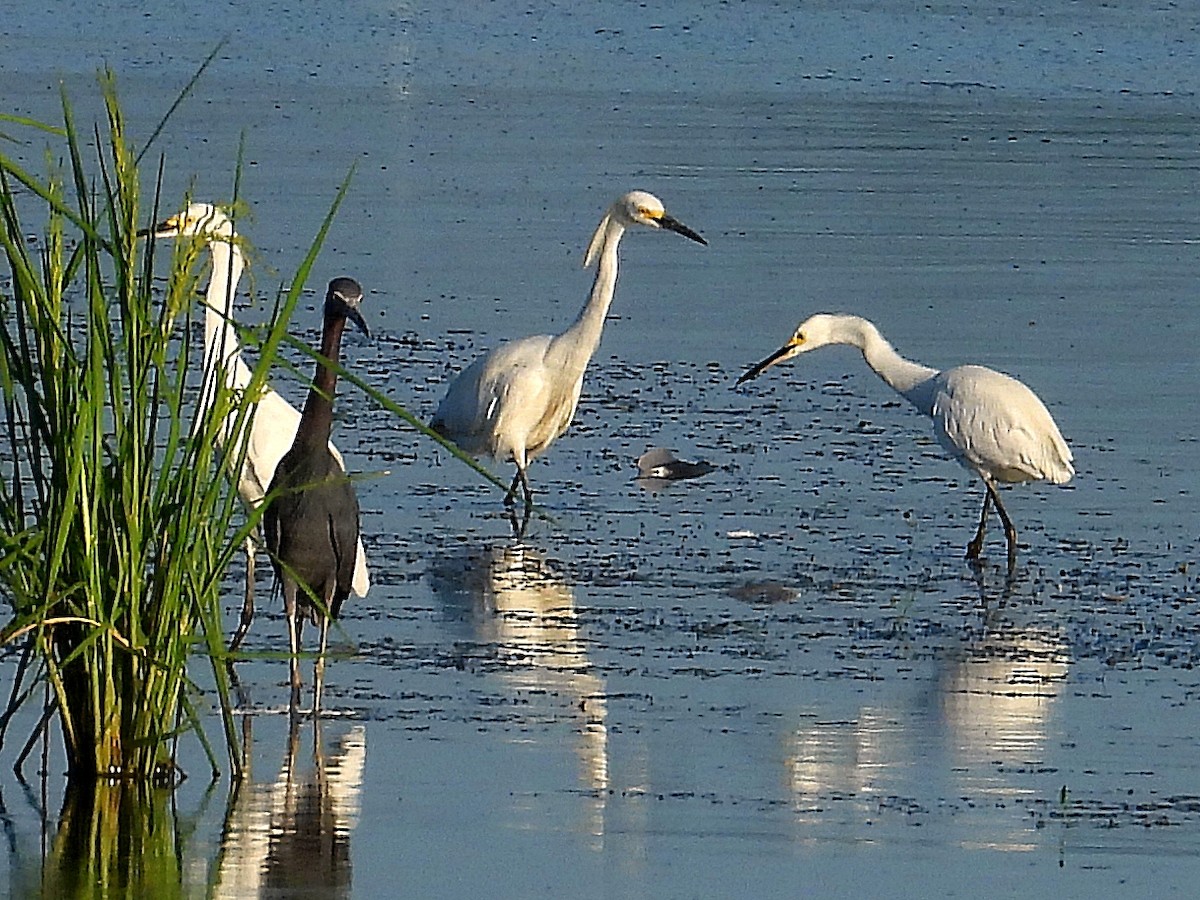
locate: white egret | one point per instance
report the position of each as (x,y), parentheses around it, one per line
(987,421)
(275,421)
(311,522)
(512,402)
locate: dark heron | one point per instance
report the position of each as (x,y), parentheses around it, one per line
(512,402)
(311,521)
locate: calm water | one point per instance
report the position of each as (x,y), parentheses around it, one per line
(781,678)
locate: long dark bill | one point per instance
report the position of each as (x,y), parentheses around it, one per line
(679,228)
(166,228)
(760,367)
(355,316)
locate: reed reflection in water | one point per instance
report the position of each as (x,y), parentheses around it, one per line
(293,833)
(524,612)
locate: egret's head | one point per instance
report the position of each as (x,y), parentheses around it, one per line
(815,331)
(343,299)
(634,208)
(643,208)
(198,219)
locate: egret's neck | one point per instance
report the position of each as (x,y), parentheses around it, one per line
(220,338)
(575,346)
(907,377)
(316,422)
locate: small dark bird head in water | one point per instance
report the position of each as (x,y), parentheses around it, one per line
(662,465)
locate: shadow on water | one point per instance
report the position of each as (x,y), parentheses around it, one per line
(275,837)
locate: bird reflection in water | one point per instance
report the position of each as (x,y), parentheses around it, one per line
(842,759)
(993,702)
(292,835)
(520,607)
(998,697)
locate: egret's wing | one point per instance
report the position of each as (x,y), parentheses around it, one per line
(994,424)
(486,402)
(268,438)
(517,402)
(459,413)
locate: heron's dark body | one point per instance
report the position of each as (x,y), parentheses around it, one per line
(311,523)
(315,490)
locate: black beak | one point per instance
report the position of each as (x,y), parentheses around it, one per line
(758,368)
(355,316)
(166,228)
(679,228)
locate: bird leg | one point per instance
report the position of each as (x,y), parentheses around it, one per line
(1010,531)
(512,488)
(519,529)
(247,601)
(528,496)
(294,625)
(976,546)
(319,669)
(521,480)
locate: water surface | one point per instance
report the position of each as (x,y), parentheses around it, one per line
(782,677)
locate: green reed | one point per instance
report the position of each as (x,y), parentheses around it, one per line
(116,521)
(117,518)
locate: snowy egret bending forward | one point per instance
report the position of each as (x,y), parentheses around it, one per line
(311,523)
(275,420)
(990,423)
(512,402)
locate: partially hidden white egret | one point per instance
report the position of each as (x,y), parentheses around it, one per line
(273,427)
(987,421)
(311,522)
(512,402)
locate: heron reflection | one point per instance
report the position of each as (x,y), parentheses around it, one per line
(519,606)
(293,834)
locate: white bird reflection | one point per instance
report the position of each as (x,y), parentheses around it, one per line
(292,835)
(981,739)
(997,702)
(997,697)
(523,609)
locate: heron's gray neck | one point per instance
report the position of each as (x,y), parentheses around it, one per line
(907,377)
(574,347)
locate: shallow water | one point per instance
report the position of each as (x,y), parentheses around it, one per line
(780,677)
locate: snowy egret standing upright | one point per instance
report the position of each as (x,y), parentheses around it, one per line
(987,421)
(311,522)
(270,433)
(512,402)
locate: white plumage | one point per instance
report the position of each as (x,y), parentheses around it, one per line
(512,402)
(989,422)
